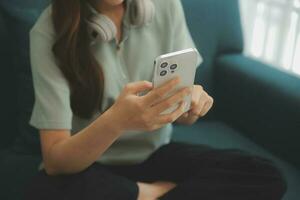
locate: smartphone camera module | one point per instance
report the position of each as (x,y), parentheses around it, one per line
(173,68)
(164,65)
(163,73)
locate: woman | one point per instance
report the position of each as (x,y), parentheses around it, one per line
(102,139)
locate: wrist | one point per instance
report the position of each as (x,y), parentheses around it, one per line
(114,121)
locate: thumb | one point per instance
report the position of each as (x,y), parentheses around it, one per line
(186,114)
(140,86)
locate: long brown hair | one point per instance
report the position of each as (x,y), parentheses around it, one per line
(75,58)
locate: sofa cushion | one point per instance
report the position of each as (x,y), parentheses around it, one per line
(19,17)
(216,28)
(16,171)
(260,101)
(220,135)
(8,89)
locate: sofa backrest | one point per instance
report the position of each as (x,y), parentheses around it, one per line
(18,17)
(216,29)
(214,24)
(8,89)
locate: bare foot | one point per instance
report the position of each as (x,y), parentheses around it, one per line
(152,191)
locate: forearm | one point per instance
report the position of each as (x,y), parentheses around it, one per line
(76,153)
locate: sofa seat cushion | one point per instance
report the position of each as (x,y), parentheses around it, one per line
(16,170)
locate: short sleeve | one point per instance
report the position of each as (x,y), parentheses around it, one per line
(181,35)
(52,108)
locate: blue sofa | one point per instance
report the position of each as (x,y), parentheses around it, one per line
(257,107)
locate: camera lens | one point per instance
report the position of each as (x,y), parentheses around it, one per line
(163,73)
(173,67)
(164,65)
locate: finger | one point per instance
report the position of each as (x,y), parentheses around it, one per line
(170,101)
(203,98)
(196,110)
(136,87)
(206,108)
(156,127)
(159,93)
(169,118)
(185,115)
(197,92)
(192,119)
(195,98)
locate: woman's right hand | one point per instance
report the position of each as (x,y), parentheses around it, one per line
(134,112)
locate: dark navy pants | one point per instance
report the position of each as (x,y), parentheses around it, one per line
(201,173)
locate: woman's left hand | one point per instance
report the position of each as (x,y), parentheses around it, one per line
(200,105)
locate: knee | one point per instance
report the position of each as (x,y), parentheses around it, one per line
(280,182)
(263,171)
(276,187)
(279,188)
(271,176)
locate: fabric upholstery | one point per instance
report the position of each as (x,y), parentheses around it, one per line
(8,87)
(16,170)
(216,28)
(19,16)
(260,101)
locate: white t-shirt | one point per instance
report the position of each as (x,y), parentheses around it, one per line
(132,62)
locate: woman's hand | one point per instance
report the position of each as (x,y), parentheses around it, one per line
(200,105)
(134,112)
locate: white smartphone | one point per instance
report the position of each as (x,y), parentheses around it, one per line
(180,63)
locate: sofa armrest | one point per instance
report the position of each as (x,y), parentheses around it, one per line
(261,101)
